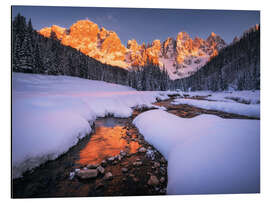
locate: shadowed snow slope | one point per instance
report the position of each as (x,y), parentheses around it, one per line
(206,154)
(50,113)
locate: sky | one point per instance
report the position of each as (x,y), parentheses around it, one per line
(146,25)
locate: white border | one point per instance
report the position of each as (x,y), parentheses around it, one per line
(204,4)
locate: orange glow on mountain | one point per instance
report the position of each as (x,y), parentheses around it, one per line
(106,46)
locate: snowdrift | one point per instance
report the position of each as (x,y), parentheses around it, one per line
(206,154)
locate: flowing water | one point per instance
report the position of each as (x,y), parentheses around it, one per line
(108,140)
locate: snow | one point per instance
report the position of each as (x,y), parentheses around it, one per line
(185,71)
(252,110)
(206,154)
(249,97)
(245,96)
(51,113)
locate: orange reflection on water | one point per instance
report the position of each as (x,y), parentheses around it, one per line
(104,143)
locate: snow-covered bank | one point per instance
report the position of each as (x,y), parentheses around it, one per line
(50,113)
(206,154)
(245,96)
(252,110)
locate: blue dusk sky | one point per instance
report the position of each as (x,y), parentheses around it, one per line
(146,25)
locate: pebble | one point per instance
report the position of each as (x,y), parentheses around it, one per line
(108,176)
(91,166)
(162,170)
(77,170)
(71,175)
(137,163)
(111,159)
(101,170)
(153,180)
(163,160)
(142,150)
(119,157)
(87,174)
(150,154)
(122,153)
(162,180)
(156,164)
(115,162)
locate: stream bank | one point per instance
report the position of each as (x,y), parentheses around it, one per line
(116,146)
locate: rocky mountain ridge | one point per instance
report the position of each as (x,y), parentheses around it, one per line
(180,57)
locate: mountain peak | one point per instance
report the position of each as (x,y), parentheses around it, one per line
(84,22)
(182,36)
(216,41)
(213,34)
(180,57)
(156,43)
(59,31)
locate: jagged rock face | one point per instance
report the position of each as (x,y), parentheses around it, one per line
(215,41)
(153,52)
(184,47)
(169,46)
(184,56)
(180,57)
(86,36)
(136,54)
(59,31)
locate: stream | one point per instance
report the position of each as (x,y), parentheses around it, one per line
(111,137)
(107,141)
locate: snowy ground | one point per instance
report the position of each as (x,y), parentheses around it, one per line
(239,102)
(50,113)
(249,97)
(252,110)
(206,154)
